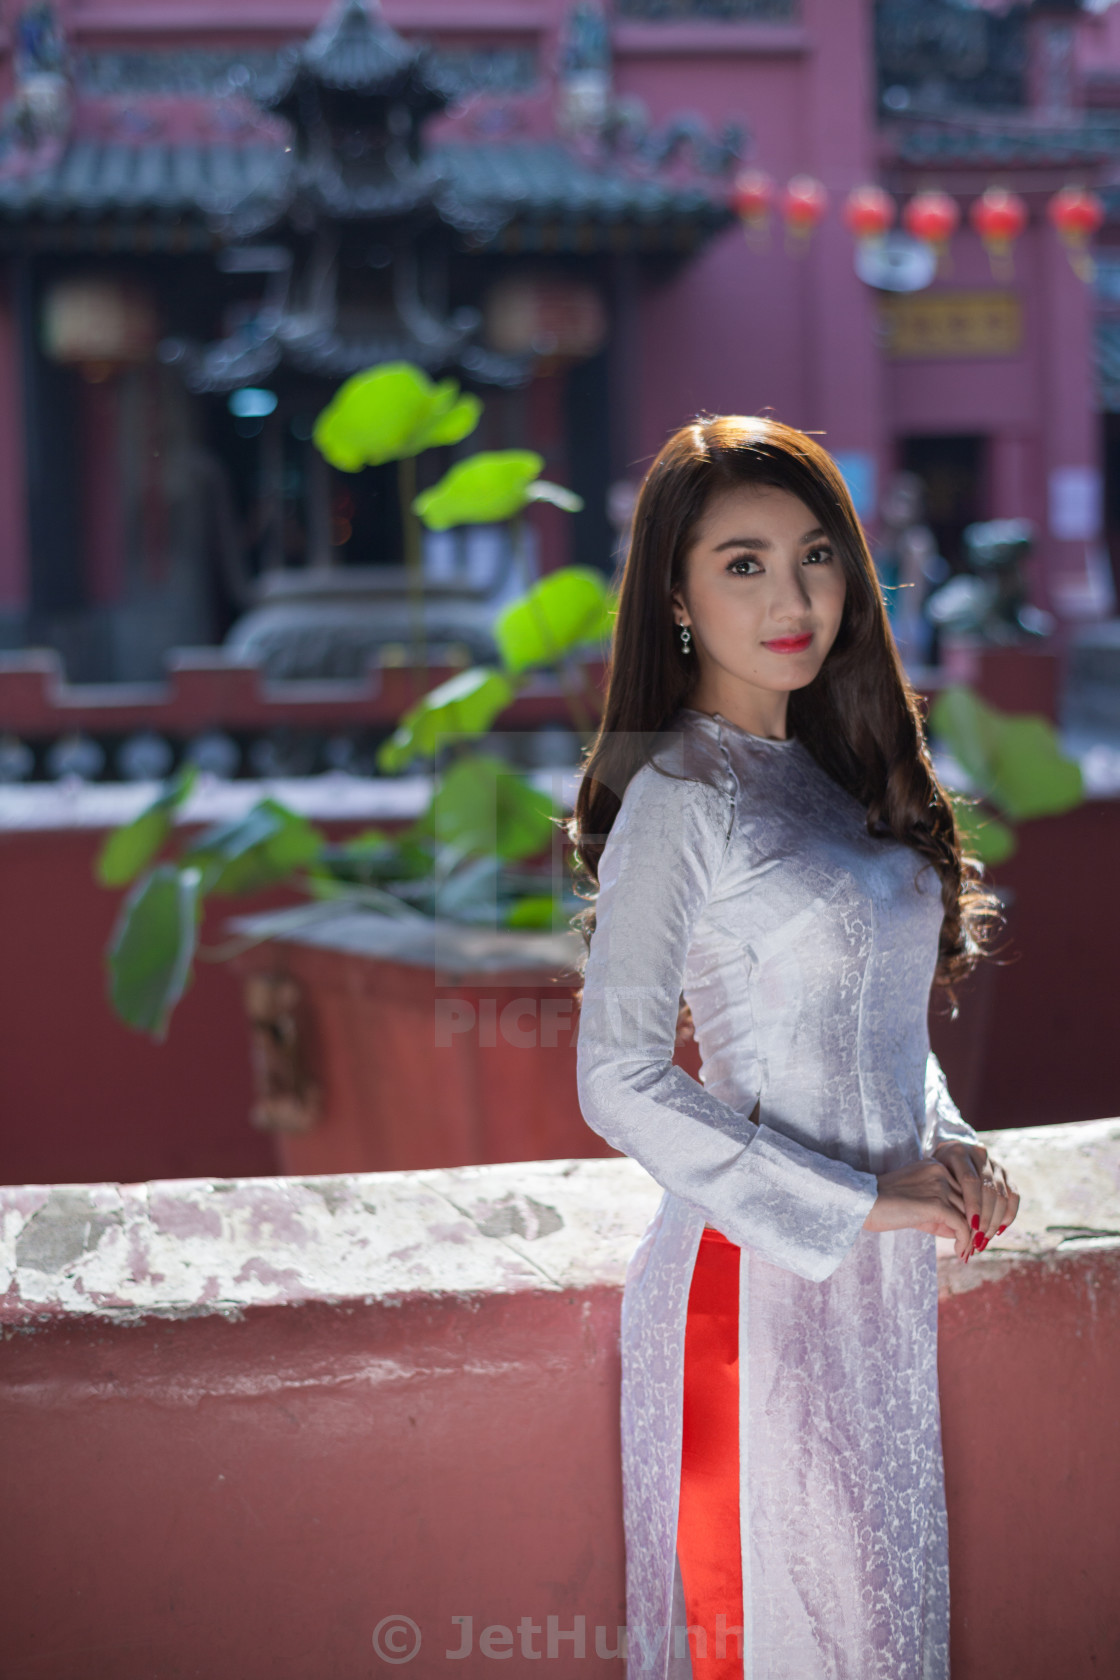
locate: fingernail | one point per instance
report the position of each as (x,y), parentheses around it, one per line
(981,1243)
(1002,1228)
(976,1222)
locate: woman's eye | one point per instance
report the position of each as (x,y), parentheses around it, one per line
(824,553)
(744,560)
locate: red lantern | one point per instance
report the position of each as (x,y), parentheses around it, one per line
(999,217)
(752,199)
(1077,214)
(804,202)
(932,217)
(869,212)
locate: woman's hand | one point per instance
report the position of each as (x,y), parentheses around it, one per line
(990,1199)
(686,1026)
(924,1196)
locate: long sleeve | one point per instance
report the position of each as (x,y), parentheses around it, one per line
(795,1207)
(944,1121)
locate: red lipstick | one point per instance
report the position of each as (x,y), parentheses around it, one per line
(789,644)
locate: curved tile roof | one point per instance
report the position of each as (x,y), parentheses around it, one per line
(978,144)
(536,182)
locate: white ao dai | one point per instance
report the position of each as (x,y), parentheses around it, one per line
(806,949)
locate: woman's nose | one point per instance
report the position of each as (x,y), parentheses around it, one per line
(791,591)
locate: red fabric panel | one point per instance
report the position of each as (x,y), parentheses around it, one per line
(708,1522)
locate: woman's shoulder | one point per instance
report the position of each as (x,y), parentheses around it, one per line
(683,797)
(692,746)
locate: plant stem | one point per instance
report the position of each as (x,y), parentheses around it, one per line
(410,528)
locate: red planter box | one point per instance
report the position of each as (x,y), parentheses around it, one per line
(420,1064)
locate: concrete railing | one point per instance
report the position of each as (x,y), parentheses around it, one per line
(286,1428)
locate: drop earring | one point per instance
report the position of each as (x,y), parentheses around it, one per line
(686,638)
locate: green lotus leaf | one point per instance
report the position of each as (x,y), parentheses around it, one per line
(459,422)
(131,848)
(537,910)
(465,705)
(1015,759)
(565,609)
(484,489)
(983,836)
(367,859)
(371,842)
(389,413)
(469,892)
(256,850)
(481,807)
(151,953)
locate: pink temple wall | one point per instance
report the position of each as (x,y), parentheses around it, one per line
(736,328)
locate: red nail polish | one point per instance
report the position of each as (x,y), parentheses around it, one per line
(976,1222)
(981,1243)
(1002,1228)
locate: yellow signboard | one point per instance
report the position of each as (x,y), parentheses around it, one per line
(947,324)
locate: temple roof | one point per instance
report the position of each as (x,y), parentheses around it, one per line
(1029,140)
(354,51)
(161,195)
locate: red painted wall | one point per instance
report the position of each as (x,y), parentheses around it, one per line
(82,1096)
(1028,1370)
(251,1492)
(1034,1043)
(1048,1041)
(259,1513)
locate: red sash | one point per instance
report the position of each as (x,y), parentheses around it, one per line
(708,1523)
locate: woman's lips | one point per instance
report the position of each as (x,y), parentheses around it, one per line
(789,644)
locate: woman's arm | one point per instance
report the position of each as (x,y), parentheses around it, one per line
(944,1122)
(793,1206)
(988,1198)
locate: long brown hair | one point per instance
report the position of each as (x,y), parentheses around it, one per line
(860,717)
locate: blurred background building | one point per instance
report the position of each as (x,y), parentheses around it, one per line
(209,216)
(896,224)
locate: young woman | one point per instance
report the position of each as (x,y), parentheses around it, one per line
(767,835)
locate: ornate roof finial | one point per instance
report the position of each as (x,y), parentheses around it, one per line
(354,51)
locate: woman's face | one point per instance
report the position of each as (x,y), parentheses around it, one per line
(764,595)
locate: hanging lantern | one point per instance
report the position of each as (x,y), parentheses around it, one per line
(804,202)
(869,212)
(1077,214)
(752,199)
(933,217)
(999,217)
(100,324)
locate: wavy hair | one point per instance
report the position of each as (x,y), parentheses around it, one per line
(860,717)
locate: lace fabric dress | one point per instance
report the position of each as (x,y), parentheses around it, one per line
(806,949)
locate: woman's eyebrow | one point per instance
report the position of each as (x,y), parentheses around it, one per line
(764,542)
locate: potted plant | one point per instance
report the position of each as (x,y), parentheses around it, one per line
(392,1013)
(1001,769)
